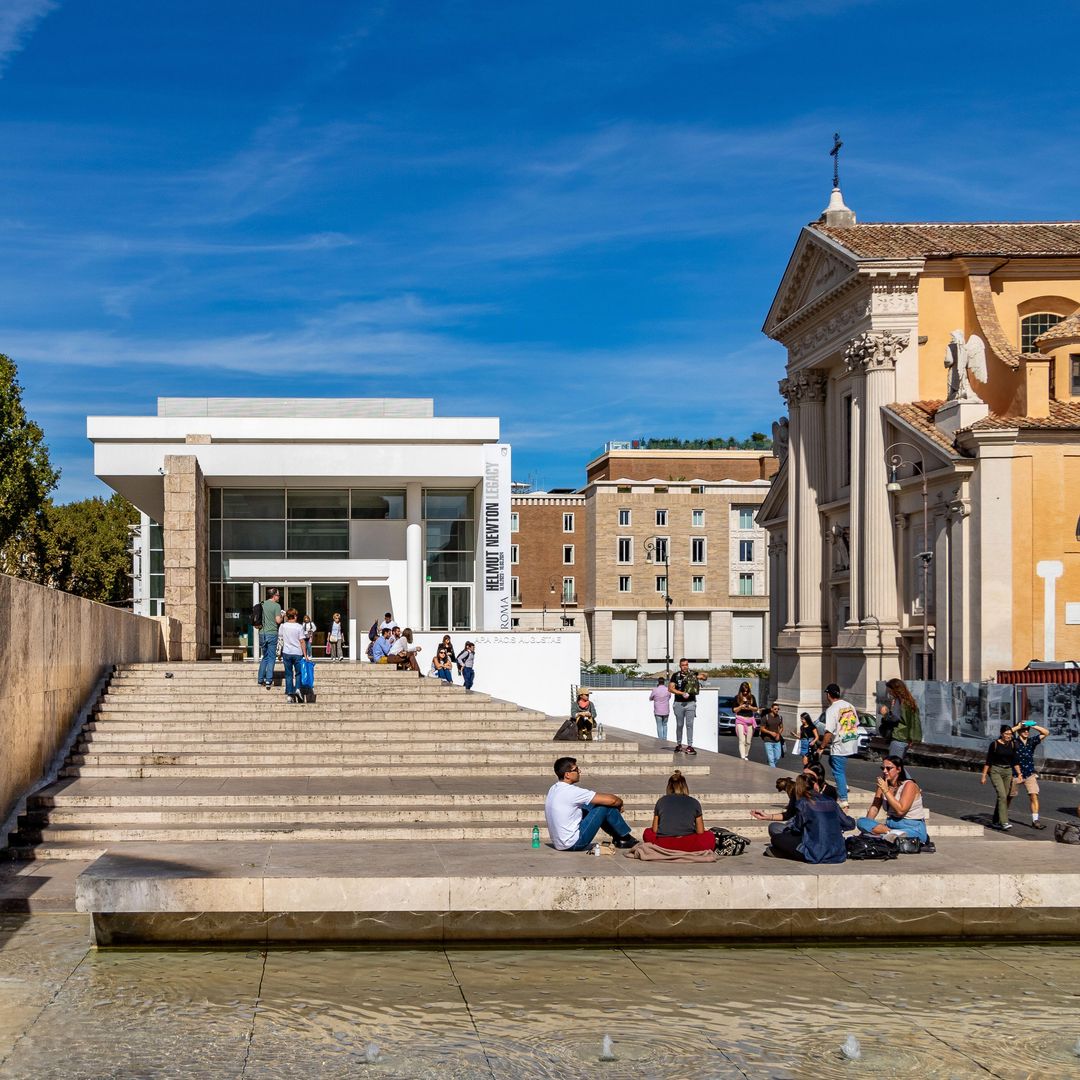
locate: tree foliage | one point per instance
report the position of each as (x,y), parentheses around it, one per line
(83,548)
(26,474)
(757,441)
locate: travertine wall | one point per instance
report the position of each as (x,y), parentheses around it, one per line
(54,648)
(186,553)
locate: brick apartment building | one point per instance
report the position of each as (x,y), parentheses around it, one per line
(579,558)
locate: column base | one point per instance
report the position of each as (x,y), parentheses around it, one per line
(863,659)
(801,663)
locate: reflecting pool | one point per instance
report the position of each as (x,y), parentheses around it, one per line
(670,1012)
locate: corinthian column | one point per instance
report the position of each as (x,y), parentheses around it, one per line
(875,354)
(809,388)
(790,564)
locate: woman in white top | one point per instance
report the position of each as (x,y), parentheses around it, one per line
(336,637)
(901,799)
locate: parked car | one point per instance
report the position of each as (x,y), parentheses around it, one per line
(725,718)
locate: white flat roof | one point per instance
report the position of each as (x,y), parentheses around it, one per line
(354,408)
(271,430)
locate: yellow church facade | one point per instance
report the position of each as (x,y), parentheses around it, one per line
(925,521)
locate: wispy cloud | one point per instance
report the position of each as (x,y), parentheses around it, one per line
(18,20)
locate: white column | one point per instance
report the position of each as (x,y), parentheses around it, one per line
(642,651)
(1049,570)
(414,557)
(790,564)
(810,451)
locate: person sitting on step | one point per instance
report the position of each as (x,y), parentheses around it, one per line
(575,814)
(901,799)
(677,822)
(816,833)
(380,651)
(584,716)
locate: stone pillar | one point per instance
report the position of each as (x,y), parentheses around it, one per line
(642,651)
(601,636)
(186,539)
(414,557)
(810,387)
(720,637)
(678,637)
(790,565)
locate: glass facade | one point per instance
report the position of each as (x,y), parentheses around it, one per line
(155,551)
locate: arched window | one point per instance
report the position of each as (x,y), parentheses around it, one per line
(1031,326)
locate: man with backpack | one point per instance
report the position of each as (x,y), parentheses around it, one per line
(267,616)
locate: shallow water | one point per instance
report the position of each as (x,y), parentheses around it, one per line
(700,1012)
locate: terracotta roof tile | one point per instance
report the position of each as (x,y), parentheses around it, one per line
(1063,414)
(1065,332)
(917,240)
(920,415)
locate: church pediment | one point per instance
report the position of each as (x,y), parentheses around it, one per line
(813,271)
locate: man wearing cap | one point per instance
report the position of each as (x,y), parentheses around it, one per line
(1026,737)
(841,738)
(465,660)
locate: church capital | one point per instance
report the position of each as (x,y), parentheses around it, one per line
(805,387)
(875,351)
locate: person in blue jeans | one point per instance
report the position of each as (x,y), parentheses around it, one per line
(268,634)
(841,738)
(294,648)
(771,730)
(575,814)
(901,799)
(465,660)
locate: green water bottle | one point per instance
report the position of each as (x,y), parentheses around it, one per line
(536,836)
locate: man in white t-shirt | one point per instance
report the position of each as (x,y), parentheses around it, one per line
(841,738)
(575,814)
(387,623)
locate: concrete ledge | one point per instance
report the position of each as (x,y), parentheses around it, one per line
(493,891)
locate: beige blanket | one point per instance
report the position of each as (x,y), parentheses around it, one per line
(656,853)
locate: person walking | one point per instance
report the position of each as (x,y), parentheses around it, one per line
(771,729)
(336,638)
(294,648)
(268,637)
(745,710)
(1001,767)
(1026,737)
(900,722)
(465,661)
(575,814)
(841,738)
(685,686)
(809,739)
(660,696)
(308,627)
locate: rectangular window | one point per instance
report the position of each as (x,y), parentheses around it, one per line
(626,550)
(513,554)
(660,490)
(515,589)
(515,521)
(624,583)
(369,505)
(623,490)
(624,517)
(697,584)
(746,584)
(568,590)
(568,554)
(450,538)
(306,505)
(661,584)
(697,518)
(746,517)
(660,555)
(661,517)
(697,491)
(746,551)
(1074,375)
(697,549)
(568,523)
(515,623)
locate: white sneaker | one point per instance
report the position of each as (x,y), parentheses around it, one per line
(843,805)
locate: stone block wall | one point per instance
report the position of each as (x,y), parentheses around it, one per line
(56,647)
(186,554)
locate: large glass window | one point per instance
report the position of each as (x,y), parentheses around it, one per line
(317,504)
(1074,375)
(377,505)
(450,531)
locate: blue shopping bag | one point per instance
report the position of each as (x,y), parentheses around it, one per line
(307,672)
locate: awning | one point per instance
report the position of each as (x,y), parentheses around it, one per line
(1039,676)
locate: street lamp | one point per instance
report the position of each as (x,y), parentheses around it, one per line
(896,462)
(655,547)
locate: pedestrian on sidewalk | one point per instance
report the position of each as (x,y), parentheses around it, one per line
(575,814)
(268,637)
(900,722)
(841,738)
(677,823)
(745,710)
(465,660)
(294,648)
(308,626)
(809,740)
(685,686)
(660,696)
(337,638)
(1026,737)
(1002,767)
(771,730)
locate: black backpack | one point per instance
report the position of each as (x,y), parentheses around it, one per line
(727,842)
(373,633)
(869,847)
(256,616)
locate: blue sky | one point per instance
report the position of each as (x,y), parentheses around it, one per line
(571,216)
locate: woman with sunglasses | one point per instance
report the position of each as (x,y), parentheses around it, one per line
(901,799)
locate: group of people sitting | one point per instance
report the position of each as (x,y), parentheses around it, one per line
(809,829)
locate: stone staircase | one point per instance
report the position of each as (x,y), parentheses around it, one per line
(191,753)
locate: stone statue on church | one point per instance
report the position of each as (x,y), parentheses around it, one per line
(964,359)
(780,439)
